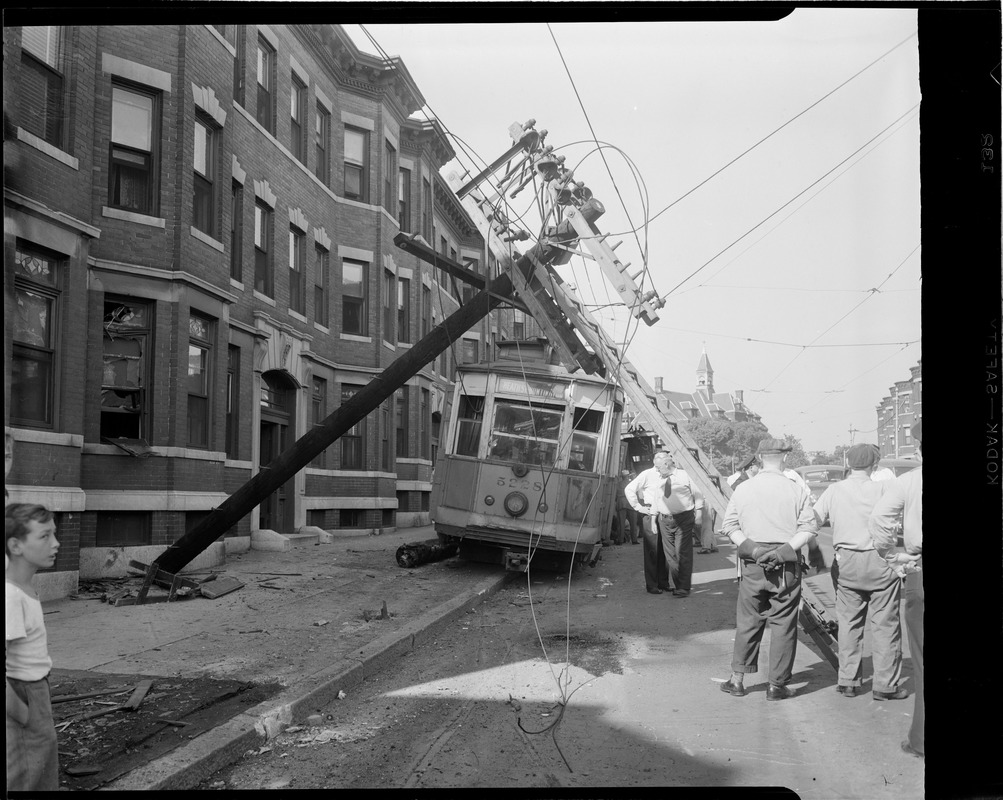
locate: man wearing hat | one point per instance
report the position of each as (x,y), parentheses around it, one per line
(669,506)
(747,469)
(865,584)
(769,519)
(903,500)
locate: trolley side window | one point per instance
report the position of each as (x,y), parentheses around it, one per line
(585,439)
(524,434)
(469,419)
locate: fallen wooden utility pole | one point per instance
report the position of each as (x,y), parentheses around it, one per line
(303,451)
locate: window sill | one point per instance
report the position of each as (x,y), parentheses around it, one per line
(321,328)
(204,237)
(49,149)
(264,298)
(236,284)
(132,216)
(352,337)
(405,345)
(297,315)
(389,346)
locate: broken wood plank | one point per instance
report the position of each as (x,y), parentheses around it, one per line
(67,698)
(220,587)
(129,705)
(137,696)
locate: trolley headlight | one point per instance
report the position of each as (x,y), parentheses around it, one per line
(516,504)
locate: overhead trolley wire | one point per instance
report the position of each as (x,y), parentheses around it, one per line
(795,197)
(788,122)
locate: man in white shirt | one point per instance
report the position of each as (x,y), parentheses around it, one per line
(769,519)
(643,494)
(680,512)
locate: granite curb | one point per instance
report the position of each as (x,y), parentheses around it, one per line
(187,766)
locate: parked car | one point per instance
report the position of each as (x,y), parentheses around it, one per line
(820,476)
(900,466)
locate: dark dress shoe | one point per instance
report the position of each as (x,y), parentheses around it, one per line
(898,694)
(680,593)
(665,588)
(908,748)
(654,591)
(734,689)
(847,691)
(774,692)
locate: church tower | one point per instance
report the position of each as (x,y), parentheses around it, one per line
(705,376)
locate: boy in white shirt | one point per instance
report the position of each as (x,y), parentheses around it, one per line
(32,756)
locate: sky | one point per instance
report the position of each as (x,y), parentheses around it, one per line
(766,172)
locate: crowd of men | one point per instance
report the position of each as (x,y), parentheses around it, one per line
(773,522)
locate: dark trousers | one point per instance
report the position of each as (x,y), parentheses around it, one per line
(677,539)
(914,603)
(767,598)
(32,754)
(867,587)
(656,568)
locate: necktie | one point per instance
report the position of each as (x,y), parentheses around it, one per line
(667,491)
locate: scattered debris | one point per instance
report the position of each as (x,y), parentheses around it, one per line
(320,623)
(284,574)
(368,616)
(294,729)
(516,705)
(315,719)
(341,695)
(221,586)
(129,705)
(67,698)
(82,769)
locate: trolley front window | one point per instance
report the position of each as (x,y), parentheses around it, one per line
(525,434)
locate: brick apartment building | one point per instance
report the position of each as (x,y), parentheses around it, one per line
(199,266)
(898,412)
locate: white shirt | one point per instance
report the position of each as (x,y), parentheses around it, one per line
(882,474)
(651,486)
(27,648)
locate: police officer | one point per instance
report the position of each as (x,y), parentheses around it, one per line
(769,519)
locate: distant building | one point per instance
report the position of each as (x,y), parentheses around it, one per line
(898,412)
(705,403)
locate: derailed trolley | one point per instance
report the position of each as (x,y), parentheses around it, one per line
(527,473)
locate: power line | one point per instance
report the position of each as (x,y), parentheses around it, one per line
(777,130)
(795,197)
(873,291)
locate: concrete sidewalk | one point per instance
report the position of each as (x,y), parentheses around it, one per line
(308,618)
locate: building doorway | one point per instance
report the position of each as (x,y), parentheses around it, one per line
(278,405)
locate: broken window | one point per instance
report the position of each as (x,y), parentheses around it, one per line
(125,369)
(524,433)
